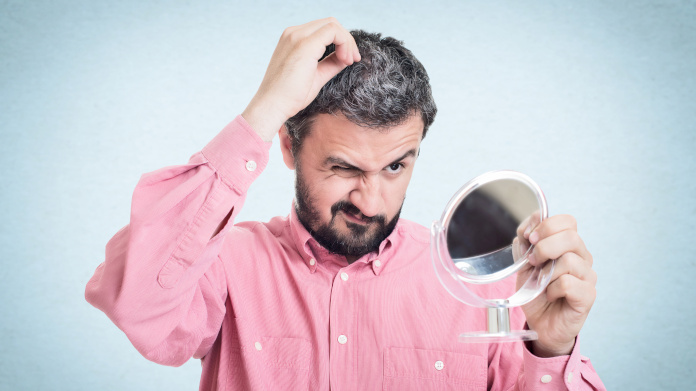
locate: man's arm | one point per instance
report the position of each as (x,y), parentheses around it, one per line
(557,315)
(162,282)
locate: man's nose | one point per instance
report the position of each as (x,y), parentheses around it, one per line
(367,195)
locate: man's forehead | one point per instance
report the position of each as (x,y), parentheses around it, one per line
(332,128)
(334,138)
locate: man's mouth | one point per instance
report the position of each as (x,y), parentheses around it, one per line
(357,219)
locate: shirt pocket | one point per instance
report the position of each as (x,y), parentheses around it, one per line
(420,369)
(284,362)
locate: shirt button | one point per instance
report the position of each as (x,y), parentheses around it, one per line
(257,345)
(377,263)
(342,339)
(439,365)
(570,377)
(312,261)
(251,165)
(546,379)
(344,276)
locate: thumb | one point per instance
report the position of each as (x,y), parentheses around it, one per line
(327,69)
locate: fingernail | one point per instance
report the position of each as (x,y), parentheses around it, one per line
(532,259)
(527,231)
(534,237)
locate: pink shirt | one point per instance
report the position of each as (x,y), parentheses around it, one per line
(266,308)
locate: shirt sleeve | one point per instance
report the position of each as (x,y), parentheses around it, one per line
(162,282)
(511,366)
(573,372)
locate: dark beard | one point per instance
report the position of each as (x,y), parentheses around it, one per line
(359,242)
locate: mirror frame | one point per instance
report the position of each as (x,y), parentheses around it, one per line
(467,189)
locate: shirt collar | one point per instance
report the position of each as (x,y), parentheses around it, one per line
(313,253)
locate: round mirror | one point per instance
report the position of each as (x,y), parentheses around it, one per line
(485,225)
(482,238)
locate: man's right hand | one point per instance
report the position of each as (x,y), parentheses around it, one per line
(295,75)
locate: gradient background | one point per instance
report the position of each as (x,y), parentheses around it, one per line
(595,100)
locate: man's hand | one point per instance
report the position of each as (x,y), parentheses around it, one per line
(559,313)
(295,75)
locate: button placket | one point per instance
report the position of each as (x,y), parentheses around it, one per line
(341,327)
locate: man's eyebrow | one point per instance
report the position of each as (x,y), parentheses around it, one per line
(333,160)
(404,156)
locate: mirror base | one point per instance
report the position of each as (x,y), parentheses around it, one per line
(511,336)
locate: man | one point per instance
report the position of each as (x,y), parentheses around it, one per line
(340,294)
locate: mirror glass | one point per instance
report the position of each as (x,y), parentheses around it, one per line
(485,231)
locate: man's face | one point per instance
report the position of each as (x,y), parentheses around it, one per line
(351,181)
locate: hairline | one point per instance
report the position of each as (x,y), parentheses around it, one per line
(296,144)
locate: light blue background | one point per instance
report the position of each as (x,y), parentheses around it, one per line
(593,99)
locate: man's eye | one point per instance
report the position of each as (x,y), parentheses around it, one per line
(395,168)
(344,171)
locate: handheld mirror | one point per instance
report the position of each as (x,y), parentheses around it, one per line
(481,238)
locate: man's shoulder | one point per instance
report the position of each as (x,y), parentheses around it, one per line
(411,230)
(275,227)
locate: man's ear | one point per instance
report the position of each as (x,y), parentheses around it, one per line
(286,147)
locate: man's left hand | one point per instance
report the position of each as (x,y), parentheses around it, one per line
(559,313)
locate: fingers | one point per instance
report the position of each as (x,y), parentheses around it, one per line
(328,68)
(321,33)
(552,225)
(579,294)
(556,245)
(527,225)
(572,264)
(554,237)
(518,249)
(574,280)
(334,33)
(521,242)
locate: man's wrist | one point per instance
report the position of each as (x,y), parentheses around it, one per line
(263,119)
(545,352)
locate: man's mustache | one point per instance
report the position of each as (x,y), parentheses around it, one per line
(348,207)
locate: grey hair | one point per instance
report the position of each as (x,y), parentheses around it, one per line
(386,88)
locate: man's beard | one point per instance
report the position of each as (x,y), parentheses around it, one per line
(362,238)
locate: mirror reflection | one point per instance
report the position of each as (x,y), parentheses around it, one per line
(488,230)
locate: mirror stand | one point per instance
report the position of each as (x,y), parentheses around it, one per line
(499,329)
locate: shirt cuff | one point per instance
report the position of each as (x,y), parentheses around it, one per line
(553,373)
(238,154)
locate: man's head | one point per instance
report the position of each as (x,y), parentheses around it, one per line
(387,87)
(354,146)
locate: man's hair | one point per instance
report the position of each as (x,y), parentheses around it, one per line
(386,88)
